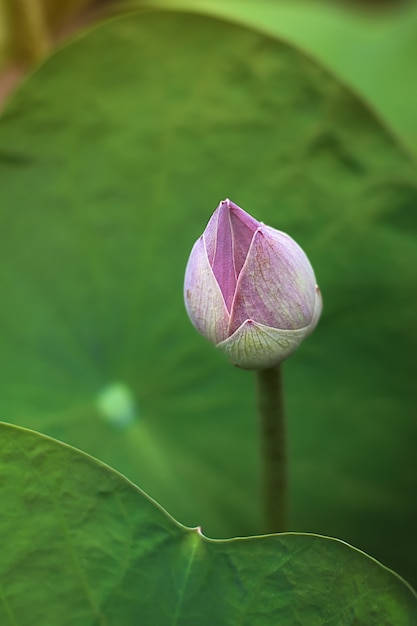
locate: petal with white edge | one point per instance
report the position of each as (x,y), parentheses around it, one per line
(318,306)
(255,346)
(203,299)
(276,286)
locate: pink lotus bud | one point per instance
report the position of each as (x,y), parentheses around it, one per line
(250,289)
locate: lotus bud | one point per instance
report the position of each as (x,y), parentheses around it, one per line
(250,289)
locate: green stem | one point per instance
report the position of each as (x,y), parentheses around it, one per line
(273,448)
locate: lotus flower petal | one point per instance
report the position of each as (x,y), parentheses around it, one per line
(250,289)
(203,299)
(228,236)
(276,286)
(256,346)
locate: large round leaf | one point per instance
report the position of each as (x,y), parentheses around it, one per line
(82,545)
(112,158)
(374,51)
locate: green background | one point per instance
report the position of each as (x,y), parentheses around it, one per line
(112,157)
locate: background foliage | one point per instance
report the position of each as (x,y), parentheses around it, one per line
(112,157)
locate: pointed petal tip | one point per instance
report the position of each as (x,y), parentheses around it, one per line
(229,204)
(224,204)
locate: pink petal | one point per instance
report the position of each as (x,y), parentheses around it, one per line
(210,236)
(276,286)
(243,228)
(222,264)
(228,236)
(203,298)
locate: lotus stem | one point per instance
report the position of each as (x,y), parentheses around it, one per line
(273,448)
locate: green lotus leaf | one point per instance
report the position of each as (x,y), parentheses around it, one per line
(82,545)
